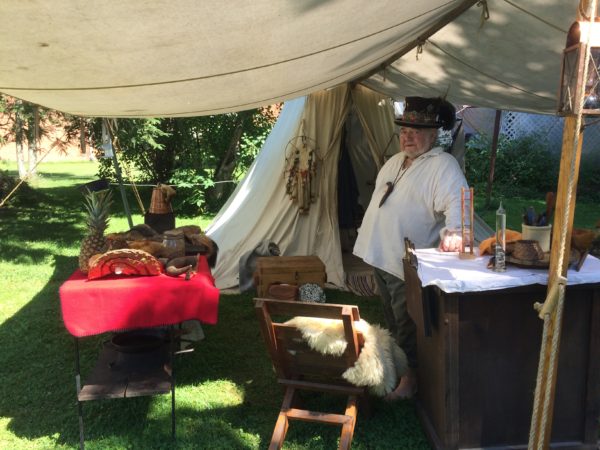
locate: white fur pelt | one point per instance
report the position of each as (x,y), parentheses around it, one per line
(380,363)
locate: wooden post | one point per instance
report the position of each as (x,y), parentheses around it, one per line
(548,365)
(552,310)
(493,152)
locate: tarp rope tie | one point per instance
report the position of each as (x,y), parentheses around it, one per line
(485,12)
(420,45)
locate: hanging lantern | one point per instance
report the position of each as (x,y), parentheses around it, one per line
(573,79)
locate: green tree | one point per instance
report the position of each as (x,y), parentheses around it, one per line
(204,157)
(25,124)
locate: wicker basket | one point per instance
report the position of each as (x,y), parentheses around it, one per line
(158,204)
(528,250)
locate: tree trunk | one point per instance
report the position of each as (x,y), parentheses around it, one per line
(19,146)
(31,158)
(82,146)
(226,168)
(32,141)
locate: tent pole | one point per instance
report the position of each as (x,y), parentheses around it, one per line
(493,156)
(548,365)
(122,189)
(120,179)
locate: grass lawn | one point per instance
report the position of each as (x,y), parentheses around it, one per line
(226,396)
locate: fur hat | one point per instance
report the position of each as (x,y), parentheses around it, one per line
(421,112)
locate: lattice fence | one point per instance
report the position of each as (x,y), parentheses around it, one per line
(517,125)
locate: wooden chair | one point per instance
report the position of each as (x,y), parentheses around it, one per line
(300,368)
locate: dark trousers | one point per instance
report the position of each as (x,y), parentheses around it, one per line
(401,326)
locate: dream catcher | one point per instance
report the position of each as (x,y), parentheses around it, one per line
(301,171)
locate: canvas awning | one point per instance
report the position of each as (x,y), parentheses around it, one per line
(143,58)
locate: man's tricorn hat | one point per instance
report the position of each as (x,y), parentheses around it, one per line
(421,112)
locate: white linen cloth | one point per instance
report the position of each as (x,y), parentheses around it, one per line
(452,274)
(425,201)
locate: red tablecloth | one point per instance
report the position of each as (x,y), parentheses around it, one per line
(118,303)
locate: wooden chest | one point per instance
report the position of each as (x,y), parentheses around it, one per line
(288,269)
(478,360)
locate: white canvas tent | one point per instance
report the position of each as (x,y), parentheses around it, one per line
(261,210)
(355,118)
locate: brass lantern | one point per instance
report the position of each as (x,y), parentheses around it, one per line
(573,79)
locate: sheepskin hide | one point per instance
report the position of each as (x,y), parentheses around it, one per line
(380,363)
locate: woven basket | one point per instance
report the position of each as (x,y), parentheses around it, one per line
(158,204)
(528,250)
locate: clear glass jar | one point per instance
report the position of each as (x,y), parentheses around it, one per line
(174,240)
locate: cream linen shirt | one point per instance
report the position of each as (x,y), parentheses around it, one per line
(424,203)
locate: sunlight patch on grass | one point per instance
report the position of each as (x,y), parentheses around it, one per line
(212,395)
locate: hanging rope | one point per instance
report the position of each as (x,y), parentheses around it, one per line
(485,12)
(552,309)
(115,142)
(529,13)
(420,45)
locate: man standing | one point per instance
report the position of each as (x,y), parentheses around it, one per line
(416,196)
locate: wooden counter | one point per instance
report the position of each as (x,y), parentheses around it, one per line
(478,354)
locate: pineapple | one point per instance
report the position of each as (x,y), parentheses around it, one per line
(97,204)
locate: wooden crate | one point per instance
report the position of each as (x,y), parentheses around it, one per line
(288,269)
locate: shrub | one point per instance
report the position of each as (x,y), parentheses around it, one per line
(588,187)
(523,166)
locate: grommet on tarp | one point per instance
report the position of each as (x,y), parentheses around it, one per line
(485,12)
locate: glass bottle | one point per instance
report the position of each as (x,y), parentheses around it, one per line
(500,248)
